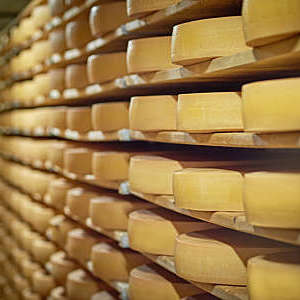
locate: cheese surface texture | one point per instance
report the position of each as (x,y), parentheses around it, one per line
(149,55)
(272,199)
(220,256)
(209,112)
(269,21)
(150,281)
(155,230)
(208,189)
(79,119)
(153,113)
(274,276)
(202,40)
(271,106)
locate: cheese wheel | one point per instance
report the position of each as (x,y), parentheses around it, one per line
(113,264)
(112,212)
(78,161)
(208,189)
(78,32)
(106,67)
(209,112)
(56,155)
(57,191)
(143,169)
(41,15)
(78,202)
(57,40)
(107,17)
(43,283)
(58,293)
(110,116)
(57,79)
(29,268)
(81,286)
(59,227)
(153,113)
(150,281)
(42,217)
(223,255)
(155,230)
(27,28)
(76,76)
(202,40)
(149,55)
(110,165)
(264,110)
(10,293)
(42,250)
(42,84)
(79,245)
(40,51)
(274,276)
(272,199)
(137,7)
(57,118)
(57,7)
(61,266)
(267,22)
(79,119)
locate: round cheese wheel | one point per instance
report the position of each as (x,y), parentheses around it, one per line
(57,40)
(78,161)
(43,283)
(266,22)
(202,40)
(284,190)
(76,76)
(57,7)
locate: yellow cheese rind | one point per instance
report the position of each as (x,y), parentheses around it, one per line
(149,55)
(202,40)
(153,113)
(266,22)
(106,67)
(43,283)
(264,109)
(274,276)
(57,40)
(76,76)
(112,212)
(155,230)
(143,169)
(57,79)
(111,264)
(57,7)
(272,199)
(78,202)
(110,165)
(110,116)
(81,286)
(224,255)
(149,282)
(137,7)
(61,266)
(78,32)
(106,17)
(208,189)
(209,112)
(78,161)
(79,119)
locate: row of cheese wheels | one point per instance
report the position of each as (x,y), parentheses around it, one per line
(214,245)
(190,180)
(108,261)
(88,25)
(195,41)
(258,108)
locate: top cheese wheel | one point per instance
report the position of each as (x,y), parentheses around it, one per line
(137,7)
(41,15)
(203,40)
(149,55)
(272,105)
(269,21)
(107,17)
(78,32)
